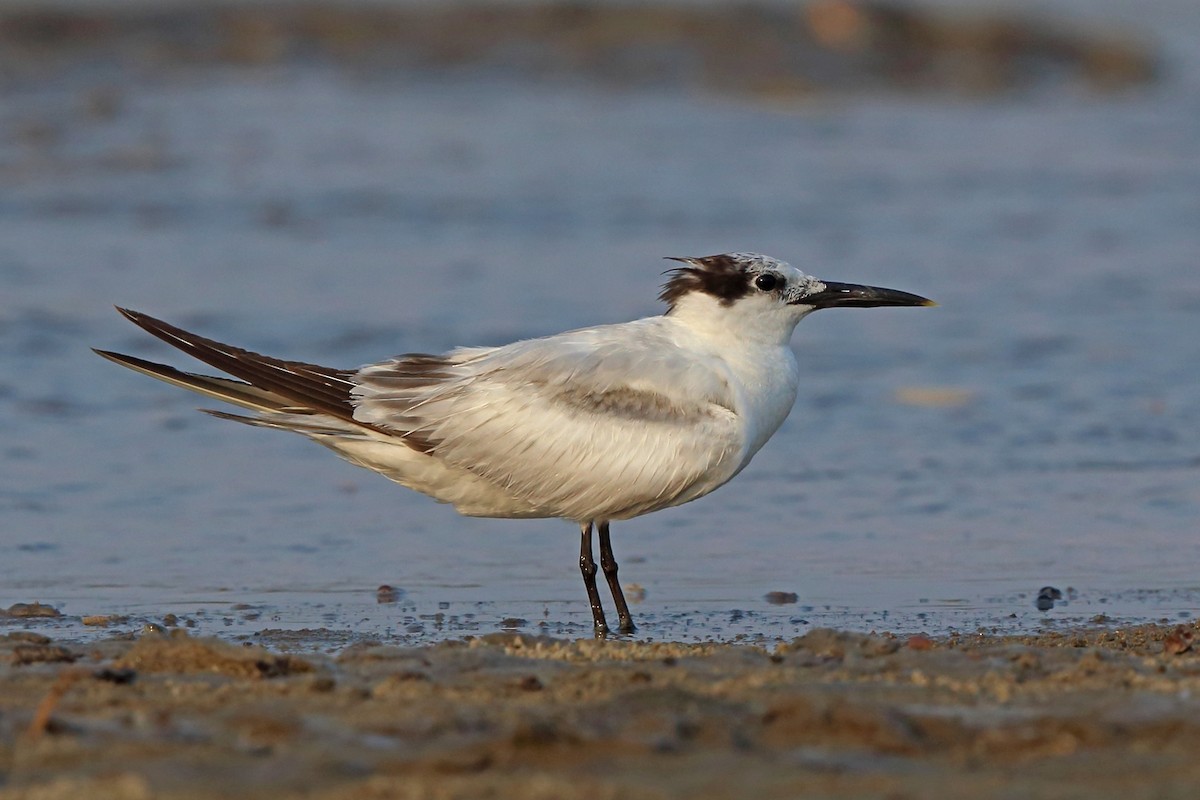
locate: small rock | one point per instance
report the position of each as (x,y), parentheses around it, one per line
(121,677)
(322,684)
(388,594)
(30,610)
(919,642)
(1179,641)
(1046,597)
(530,683)
(41,654)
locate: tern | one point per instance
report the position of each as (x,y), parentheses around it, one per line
(591,425)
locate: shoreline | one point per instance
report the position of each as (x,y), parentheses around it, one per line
(779,53)
(1104,712)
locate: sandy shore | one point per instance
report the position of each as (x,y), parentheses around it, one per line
(1102,713)
(778,50)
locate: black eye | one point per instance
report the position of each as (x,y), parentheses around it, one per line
(766,282)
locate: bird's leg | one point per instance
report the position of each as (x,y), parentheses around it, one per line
(588,567)
(609,565)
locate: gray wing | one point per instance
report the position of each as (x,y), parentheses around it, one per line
(584,424)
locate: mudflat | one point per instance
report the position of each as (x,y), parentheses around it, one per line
(1102,712)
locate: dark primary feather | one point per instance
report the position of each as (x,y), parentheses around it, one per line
(227,389)
(320,388)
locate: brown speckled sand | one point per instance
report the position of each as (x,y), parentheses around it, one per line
(1096,713)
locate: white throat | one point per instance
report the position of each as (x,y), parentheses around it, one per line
(752,344)
(752,322)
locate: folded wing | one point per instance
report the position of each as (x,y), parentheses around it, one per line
(581,424)
(585,425)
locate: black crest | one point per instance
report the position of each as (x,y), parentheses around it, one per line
(724,277)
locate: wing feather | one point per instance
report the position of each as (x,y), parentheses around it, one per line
(584,424)
(319,389)
(225,389)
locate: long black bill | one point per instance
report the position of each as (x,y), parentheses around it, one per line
(852,295)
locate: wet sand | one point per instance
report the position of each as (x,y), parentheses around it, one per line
(1095,713)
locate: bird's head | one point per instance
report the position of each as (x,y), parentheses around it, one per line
(762,297)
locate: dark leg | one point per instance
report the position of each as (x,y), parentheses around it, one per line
(588,567)
(609,565)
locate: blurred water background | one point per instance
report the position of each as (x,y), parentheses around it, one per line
(339,183)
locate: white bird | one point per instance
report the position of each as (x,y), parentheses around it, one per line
(591,425)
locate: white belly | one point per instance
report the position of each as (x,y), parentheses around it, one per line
(466,491)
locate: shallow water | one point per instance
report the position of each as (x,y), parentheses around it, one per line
(941,465)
